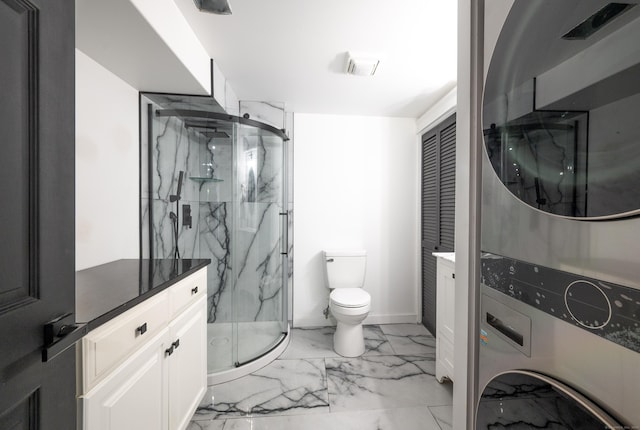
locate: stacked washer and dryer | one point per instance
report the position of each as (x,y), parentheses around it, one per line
(560,281)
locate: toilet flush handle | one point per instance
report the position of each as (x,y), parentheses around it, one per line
(329,260)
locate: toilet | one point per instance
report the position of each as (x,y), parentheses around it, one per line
(348,302)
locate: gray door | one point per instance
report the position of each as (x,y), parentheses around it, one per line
(438,208)
(37,237)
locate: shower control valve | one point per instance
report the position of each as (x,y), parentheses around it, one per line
(186,216)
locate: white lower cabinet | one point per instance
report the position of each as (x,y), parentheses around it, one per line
(135,395)
(445,305)
(158,385)
(187,364)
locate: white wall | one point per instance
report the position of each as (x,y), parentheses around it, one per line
(107,166)
(355,187)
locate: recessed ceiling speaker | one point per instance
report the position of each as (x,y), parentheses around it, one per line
(219,7)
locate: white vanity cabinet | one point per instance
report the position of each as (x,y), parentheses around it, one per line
(146,368)
(445,305)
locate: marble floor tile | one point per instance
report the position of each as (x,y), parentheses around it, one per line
(316,342)
(280,388)
(418,418)
(410,338)
(375,341)
(383,382)
(229,424)
(443,415)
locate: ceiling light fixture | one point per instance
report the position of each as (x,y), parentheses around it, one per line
(361,64)
(219,7)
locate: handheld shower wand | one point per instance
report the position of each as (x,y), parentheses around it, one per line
(174,215)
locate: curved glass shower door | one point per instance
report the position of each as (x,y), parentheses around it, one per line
(231,173)
(260,293)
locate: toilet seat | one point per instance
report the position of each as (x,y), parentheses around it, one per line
(350,297)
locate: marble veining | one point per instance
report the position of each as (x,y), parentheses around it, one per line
(415,418)
(371,382)
(235,209)
(382,390)
(215,240)
(410,339)
(282,387)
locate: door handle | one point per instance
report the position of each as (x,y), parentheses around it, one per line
(60,334)
(284,233)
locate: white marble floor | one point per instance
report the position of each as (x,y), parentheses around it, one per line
(392,386)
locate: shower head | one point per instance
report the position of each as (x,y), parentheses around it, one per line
(209,129)
(219,7)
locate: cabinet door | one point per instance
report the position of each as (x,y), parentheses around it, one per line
(133,397)
(444,337)
(438,209)
(446,288)
(187,364)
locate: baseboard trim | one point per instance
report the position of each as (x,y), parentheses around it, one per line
(371,319)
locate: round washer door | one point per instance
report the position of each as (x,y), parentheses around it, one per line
(521,399)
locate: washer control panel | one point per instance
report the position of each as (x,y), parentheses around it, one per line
(605,309)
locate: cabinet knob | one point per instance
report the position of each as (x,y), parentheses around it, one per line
(142,329)
(453,275)
(176,344)
(169,350)
(194,290)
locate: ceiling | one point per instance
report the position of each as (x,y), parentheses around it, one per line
(294,51)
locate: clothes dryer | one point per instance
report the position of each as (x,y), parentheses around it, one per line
(560,232)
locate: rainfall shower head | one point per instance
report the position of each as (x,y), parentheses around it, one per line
(219,7)
(208,129)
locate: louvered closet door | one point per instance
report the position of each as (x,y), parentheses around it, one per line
(438,208)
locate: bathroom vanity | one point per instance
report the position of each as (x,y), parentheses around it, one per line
(445,305)
(143,362)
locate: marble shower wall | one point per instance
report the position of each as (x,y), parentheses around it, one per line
(238,229)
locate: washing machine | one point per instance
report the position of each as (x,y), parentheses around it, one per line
(559,341)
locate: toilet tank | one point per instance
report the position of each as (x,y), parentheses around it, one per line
(345,269)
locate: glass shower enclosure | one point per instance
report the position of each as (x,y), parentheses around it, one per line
(213,186)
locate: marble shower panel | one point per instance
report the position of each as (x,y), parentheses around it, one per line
(215,243)
(271,113)
(259,263)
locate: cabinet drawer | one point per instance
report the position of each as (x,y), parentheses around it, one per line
(108,345)
(188,291)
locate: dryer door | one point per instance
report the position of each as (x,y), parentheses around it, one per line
(522,399)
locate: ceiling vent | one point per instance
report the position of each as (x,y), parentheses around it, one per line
(597,21)
(219,7)
(361,64)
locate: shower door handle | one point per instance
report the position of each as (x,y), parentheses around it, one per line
(284,233)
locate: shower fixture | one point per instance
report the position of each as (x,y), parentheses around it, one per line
(174,215)
(219,7)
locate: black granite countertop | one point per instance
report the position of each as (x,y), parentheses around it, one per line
(106,291)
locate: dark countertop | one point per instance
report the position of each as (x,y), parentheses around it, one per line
(106,291)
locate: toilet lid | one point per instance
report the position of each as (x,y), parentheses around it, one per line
(350,297)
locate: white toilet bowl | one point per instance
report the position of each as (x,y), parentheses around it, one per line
(349,306)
